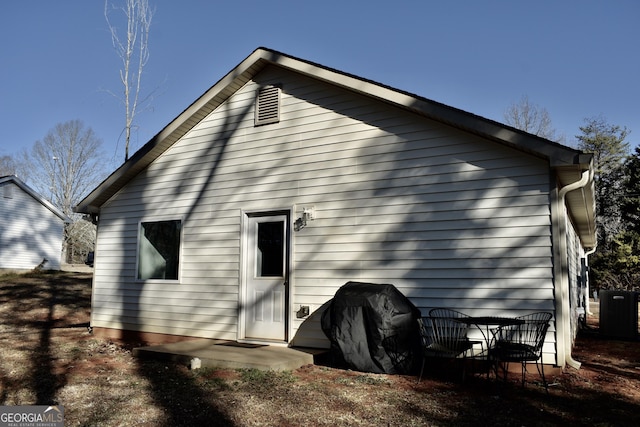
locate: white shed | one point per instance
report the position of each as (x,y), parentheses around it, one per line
(31,228)
(287,179)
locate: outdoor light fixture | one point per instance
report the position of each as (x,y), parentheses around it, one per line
(308,214)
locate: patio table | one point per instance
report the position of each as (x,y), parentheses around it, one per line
(486,323)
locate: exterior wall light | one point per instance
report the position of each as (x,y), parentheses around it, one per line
(308,214)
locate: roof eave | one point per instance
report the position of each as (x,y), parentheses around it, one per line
(557,155)
(30,191)
(178,127)
(580,202)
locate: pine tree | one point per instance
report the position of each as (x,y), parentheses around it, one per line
(607,143)
(630,206)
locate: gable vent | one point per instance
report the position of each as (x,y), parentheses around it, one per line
(7,191)
(268,105)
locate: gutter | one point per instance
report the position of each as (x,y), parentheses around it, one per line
(587,176)
(584,180)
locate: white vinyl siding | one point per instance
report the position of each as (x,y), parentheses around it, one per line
(29,231)
(449,218)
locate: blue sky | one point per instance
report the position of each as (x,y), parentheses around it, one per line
(575,58)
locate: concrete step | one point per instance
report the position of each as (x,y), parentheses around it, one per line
(231,355)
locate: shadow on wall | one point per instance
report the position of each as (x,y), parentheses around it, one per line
(310,326)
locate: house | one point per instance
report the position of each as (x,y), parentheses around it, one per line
(287,179)
(31,228)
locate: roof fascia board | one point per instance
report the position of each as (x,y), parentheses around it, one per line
(31,192)
(169,134)
(205,99)
(558,155)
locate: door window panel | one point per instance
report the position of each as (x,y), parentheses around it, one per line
(270,256)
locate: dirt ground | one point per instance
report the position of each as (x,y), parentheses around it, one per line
(47,356)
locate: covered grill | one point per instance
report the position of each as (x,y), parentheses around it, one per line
(372,328)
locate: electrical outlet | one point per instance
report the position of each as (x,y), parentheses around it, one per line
(303,312)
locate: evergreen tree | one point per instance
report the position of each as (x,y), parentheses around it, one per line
(630,206)
(609,148)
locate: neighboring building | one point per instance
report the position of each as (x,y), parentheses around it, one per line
(287,179)
(31,228)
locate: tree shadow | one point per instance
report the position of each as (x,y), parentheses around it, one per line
(44,380)
(184,402)
(39,311)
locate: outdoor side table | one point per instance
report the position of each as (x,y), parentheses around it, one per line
(486,323)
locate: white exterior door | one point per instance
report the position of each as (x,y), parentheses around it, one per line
(266,277)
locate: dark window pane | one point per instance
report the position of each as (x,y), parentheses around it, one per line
(159,250)
(270,262)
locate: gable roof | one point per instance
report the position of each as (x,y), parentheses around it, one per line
(31,192)
(568,163)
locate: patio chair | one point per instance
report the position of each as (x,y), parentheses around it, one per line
(522,343)
(442,336)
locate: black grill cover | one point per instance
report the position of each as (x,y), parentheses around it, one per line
(373,328)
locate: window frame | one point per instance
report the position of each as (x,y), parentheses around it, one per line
(139,231)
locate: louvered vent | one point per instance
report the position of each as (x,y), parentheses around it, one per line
(7,191)
(268,105)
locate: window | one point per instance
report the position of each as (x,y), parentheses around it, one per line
(270,255)
(267,105)
(159,250)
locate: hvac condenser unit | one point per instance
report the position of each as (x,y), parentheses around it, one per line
(619,314)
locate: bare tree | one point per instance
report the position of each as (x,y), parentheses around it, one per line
(65,165)
(7,166)
(133,50)
(531,118)
(80,238)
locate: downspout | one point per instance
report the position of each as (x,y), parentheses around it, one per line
(586,255)
(587,176)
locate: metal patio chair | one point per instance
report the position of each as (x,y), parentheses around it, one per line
(522,344)
(442,336)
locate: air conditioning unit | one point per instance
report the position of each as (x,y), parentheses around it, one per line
(619,314)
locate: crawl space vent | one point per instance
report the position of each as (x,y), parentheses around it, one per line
(268,105)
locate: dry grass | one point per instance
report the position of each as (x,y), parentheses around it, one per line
(48,356)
